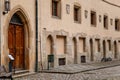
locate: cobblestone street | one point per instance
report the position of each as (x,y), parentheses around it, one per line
(108,73)
(112,73)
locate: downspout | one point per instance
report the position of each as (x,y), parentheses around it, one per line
(40,28)
(36,17)
(0,31)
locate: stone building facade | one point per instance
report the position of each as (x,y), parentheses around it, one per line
(79,31)
(74,31)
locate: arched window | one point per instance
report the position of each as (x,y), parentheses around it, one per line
(49,49)
(16,19)
(49,45)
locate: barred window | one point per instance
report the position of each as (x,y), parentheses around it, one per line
(93,18)
(117,24)
(105,22)
(77,13)
(56,8)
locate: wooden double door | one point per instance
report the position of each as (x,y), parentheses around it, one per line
(16,45)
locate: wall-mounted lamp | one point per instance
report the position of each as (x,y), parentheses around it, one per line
(6,6)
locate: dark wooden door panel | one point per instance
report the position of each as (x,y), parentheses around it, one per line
(16,44)
(11,39)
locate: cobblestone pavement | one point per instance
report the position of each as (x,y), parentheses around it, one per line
(77,68)
(88,71)
(111,73)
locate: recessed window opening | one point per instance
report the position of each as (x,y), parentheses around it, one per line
(77,13)
(56,8)
(105,22)
(93,18)
(117,24)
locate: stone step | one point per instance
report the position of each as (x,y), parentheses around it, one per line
(23,75)
(20,72)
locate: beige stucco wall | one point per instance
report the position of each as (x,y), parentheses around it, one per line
(52,26)
(67,23)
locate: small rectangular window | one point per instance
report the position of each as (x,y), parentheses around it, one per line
(117,24)
(105,22)
(93,18)
(56,8)
(77,14)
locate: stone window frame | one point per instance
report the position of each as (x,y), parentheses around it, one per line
(93,17)
(117,24)
(65,34)
(57,7)
(77,13)
(105,22)
(82,35)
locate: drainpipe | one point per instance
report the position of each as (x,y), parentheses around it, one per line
(0,32)
(40,28)
(36,12)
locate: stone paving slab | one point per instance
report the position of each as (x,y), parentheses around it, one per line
(77,68)
(111,73)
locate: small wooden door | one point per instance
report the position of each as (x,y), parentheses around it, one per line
(16,44)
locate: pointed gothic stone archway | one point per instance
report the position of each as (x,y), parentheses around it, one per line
(18,41)
(49,49)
